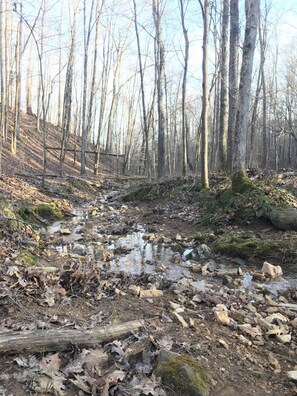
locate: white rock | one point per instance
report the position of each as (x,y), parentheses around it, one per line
(272,270)
(292,375)
(284,338)
(244,340)
(65,231)
(251,331)
(221,314)
(275,317)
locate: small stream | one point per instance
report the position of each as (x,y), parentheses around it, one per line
(134,253)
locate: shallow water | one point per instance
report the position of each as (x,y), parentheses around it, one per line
(139,256)
(146,257)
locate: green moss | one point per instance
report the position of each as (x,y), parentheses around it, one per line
(248,246)
(49,211)
(183,374)
(46,211)
(241,183)
(7,211)
(256,202)
(142,194)
(28,258)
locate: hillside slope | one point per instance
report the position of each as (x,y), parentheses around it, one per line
(29,157)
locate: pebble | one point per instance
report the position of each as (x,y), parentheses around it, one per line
(292,375)
(284,338)
(272,270)
(244,340)
(221,314)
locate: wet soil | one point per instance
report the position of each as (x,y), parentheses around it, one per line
(145,246)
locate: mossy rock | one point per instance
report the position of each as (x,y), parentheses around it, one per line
(248,246)
(10,224)
(284,218)
(142,194)
(252,204)
(49,211)
(46,211)
(182,374)
(27,258)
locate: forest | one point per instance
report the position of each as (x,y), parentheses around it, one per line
(148,198)
(159,84)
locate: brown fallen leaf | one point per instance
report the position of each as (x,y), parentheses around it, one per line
(94,359)
(83,382)
(50,364)
(112,378)
(165,342)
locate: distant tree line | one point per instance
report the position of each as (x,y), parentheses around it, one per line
(130,79)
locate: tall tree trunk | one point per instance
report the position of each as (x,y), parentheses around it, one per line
(67,102)
(252,9)
(147,165)
(87,36)
(2,86)
(224,89)
(94,71)
(106,60)
(29,110)
(184,89)
(233,79)
(160,71)
(17,106)
(263,47)
(205,96)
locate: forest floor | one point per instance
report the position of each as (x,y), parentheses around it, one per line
(83,254)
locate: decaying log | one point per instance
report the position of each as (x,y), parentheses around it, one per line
(12,342)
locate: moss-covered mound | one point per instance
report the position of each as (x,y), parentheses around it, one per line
(248,246)
(166,189)
(256,202)
(182,374)
(16,217)
(46,211)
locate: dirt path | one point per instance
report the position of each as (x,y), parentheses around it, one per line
(89,289)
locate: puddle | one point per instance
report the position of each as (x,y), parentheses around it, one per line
(136,255)
(146,257)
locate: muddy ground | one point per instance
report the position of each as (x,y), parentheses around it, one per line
(91,288)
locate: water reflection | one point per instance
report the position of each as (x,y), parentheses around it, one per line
(145,257)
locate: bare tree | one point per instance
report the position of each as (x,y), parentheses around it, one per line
(252,10)
(67,102)
(233,78)
(184,88)
(87,35)
(160,74)
(17,106)
(224,89)
(147,165)
(205,96)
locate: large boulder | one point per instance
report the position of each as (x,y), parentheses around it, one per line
(284,218)
(183,374)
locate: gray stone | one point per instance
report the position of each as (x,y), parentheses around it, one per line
(238,261)
(183,374)
(203,251)
(284,218)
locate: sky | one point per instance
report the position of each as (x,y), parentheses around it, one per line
(282,28)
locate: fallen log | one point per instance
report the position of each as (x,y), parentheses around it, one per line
(12,342)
